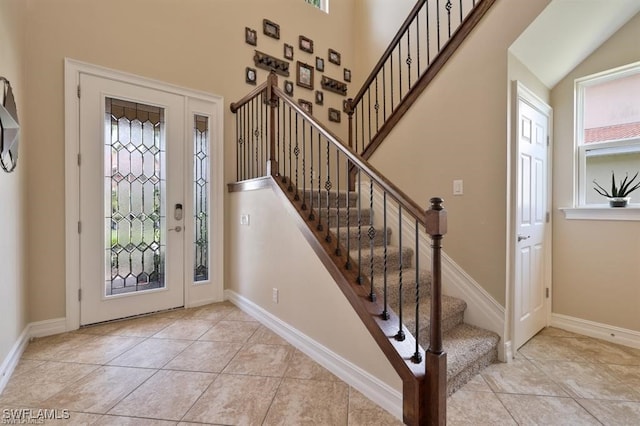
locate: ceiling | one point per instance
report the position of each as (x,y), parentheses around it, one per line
(566,32)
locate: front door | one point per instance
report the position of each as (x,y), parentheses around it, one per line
(531,239)
(132,171)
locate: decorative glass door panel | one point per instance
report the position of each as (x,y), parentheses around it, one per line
(201,189)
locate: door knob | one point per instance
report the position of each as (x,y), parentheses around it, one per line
(177,229)
(523,237)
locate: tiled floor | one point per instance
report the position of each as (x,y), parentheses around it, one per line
(217,365)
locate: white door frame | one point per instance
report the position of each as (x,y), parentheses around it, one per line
(520,91)
(195,294)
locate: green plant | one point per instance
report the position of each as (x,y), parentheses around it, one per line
(623,190)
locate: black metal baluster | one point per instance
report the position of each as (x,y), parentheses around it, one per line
(319,227)
(284,150)
(328,185)
(311,215)
(460,13)
(238,144)
(263,130)
(377,107)
(372,235)
(418,43)
(245,144)
(399,73)
(391,82)
(384,93)
(417,357)
(448,6)
(348,264)
(296,152)
(409,60)
(338,251)
(290,187)
(428,36)
(369,111)
(400,336)
(362,124)
(438,21)
(256,133)
(277,154)
(304,166)
(359,280)
(385,314)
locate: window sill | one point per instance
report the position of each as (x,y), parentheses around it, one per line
(602,212)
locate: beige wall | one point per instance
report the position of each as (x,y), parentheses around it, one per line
(309,298)
(596,273)
(193,43)
(458,129)
(13,229)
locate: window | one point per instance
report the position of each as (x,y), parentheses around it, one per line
(320,4)
(607,130)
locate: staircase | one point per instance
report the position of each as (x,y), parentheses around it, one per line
(469,349)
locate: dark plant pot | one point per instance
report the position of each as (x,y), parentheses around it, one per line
(619,201)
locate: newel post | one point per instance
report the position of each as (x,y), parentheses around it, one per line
(272,99)
(436,362)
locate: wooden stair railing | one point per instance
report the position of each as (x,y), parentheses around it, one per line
(309,166)
(427,39)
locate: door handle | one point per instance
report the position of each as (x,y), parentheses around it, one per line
(523,237)
(177,229)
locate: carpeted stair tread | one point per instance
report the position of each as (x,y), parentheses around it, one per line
(365,217)
(408,283)
(378,240)
(452,314)
(393,258)
(340,196)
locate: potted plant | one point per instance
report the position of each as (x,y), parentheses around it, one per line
(619,195)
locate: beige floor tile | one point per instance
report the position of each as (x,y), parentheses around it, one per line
(557,332)
(152,353)
(627,374)
(75,419)
(100,349)
(33,386)
(138,327)
(261,360)
(237,314)
(550,348)
(99,391)
(213,312)
(264,335)
(231,331)
(593,381)
(594,350)
(177,313)
(522,377)
(476,384)
(546,410)
(210,357)
(364,412)
(50,348)
(476,408)
(309,402)
(303,367)
(613,412)
(237,400)
(187,329)
(109,420)
(25,365)
(167,395)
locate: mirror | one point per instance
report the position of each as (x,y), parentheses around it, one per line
(9,129)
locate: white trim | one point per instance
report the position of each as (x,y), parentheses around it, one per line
(47,327)
(482,309)
(610,333)
(13,357)
(373,388)
(194,295)
(631,213)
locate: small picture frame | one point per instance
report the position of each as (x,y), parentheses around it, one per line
(250,75)
(334,115)
(334,57)
(319,64)
(288,87)
(288,51)
(306,44)
(271,29)
(347,75)
(250,36)
(319,97)
(304,75)
(306,106)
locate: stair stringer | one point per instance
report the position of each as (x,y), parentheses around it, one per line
(482,309)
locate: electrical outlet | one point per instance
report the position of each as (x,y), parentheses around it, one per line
(457,187)
(244,219)
(274,295)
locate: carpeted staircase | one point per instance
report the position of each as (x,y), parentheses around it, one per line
(469,349)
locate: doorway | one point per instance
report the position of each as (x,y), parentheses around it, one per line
(531,237)
(148,203)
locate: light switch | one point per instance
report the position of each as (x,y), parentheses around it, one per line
(457,187)
(244,219)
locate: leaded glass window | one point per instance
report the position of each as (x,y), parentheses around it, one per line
(134,197)
(201,197)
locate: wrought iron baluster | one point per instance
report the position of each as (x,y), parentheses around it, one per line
(448,6)
(263,130)
(391,82)
(256,133)
(400,336)
(399,73)
(417,357)
(276,157)
(319,227)
(377,107)
(409,60)
(239,138)
(385,314)
(438,21)
(348,264)
(338,251)
(418,44)
(369,111)
(311,215)
(384,93)
(364,144)
(304,166)
(290,187)
(359,279)
(328,185)
(428,35)
(296,152)
(460,13)
(371,233)
(284,149)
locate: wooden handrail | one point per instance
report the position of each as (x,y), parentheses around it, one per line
(407,203)
(394,42)
(235,106)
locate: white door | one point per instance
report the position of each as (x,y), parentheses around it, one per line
(532,218)
(132,172)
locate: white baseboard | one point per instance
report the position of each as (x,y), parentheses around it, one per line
(606,332)
(379,392)
(47,327)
